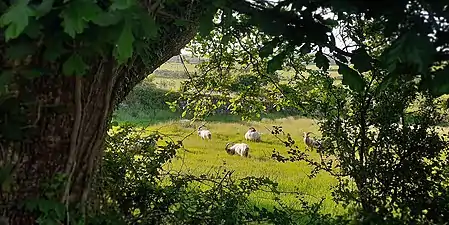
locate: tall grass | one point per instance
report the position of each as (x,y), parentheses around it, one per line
(208,156)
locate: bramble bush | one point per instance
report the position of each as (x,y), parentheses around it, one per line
(134,188)
(147,96)
(385,150)
(379,124)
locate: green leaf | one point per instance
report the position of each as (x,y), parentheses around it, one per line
(149,26)
(226,39)
(321,61)
(6,77)
(31,205)
(122,4)
(46,221)
(125,44)
(206,22)
(105,19)
(361,60)
(77,14)
(386,81)
(20,50)
(172,105)
(54,49)
(341,57)
(44,8)
(16,18)
(415,51)
(305,48)
(278,108)
(33,30)
(267,49)
(45,206)
(351,77)
(74,66)
(275,63)
(440,82)
(60,211)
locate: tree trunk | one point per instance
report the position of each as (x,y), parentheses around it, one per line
(68,119)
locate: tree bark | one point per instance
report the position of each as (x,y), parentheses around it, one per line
(68,120)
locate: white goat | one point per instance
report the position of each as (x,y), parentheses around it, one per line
(252,135)
(204,134)
(241,149)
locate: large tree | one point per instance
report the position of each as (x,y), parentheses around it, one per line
(65,66)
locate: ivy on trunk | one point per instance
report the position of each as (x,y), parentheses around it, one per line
(64,91)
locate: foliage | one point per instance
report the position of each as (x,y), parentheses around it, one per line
(416,32)
(134,188)
(148,97)
(236,74)
(378,125)
(394,157)
(48,209)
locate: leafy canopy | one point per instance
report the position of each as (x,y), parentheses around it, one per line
(78,32)
(416,31)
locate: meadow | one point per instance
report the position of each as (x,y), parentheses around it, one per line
(209,156)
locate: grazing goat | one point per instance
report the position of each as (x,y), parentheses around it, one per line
(241,149)
(252,135)
(204,134)
(310,142)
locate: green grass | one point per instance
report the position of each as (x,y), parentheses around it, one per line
(177,67)
(142,117)
(202,157)
(172,84)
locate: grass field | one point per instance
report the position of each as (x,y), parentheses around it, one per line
(203,156)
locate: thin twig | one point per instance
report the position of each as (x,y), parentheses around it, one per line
(187,71)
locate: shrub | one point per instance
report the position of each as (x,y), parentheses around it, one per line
(148,97)
(386,152)
(133,188)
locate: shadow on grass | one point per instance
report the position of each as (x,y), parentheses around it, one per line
(141,117)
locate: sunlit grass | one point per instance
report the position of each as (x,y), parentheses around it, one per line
(172,66)
(203,157)
(172,84)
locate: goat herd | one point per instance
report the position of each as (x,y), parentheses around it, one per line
(252,134)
